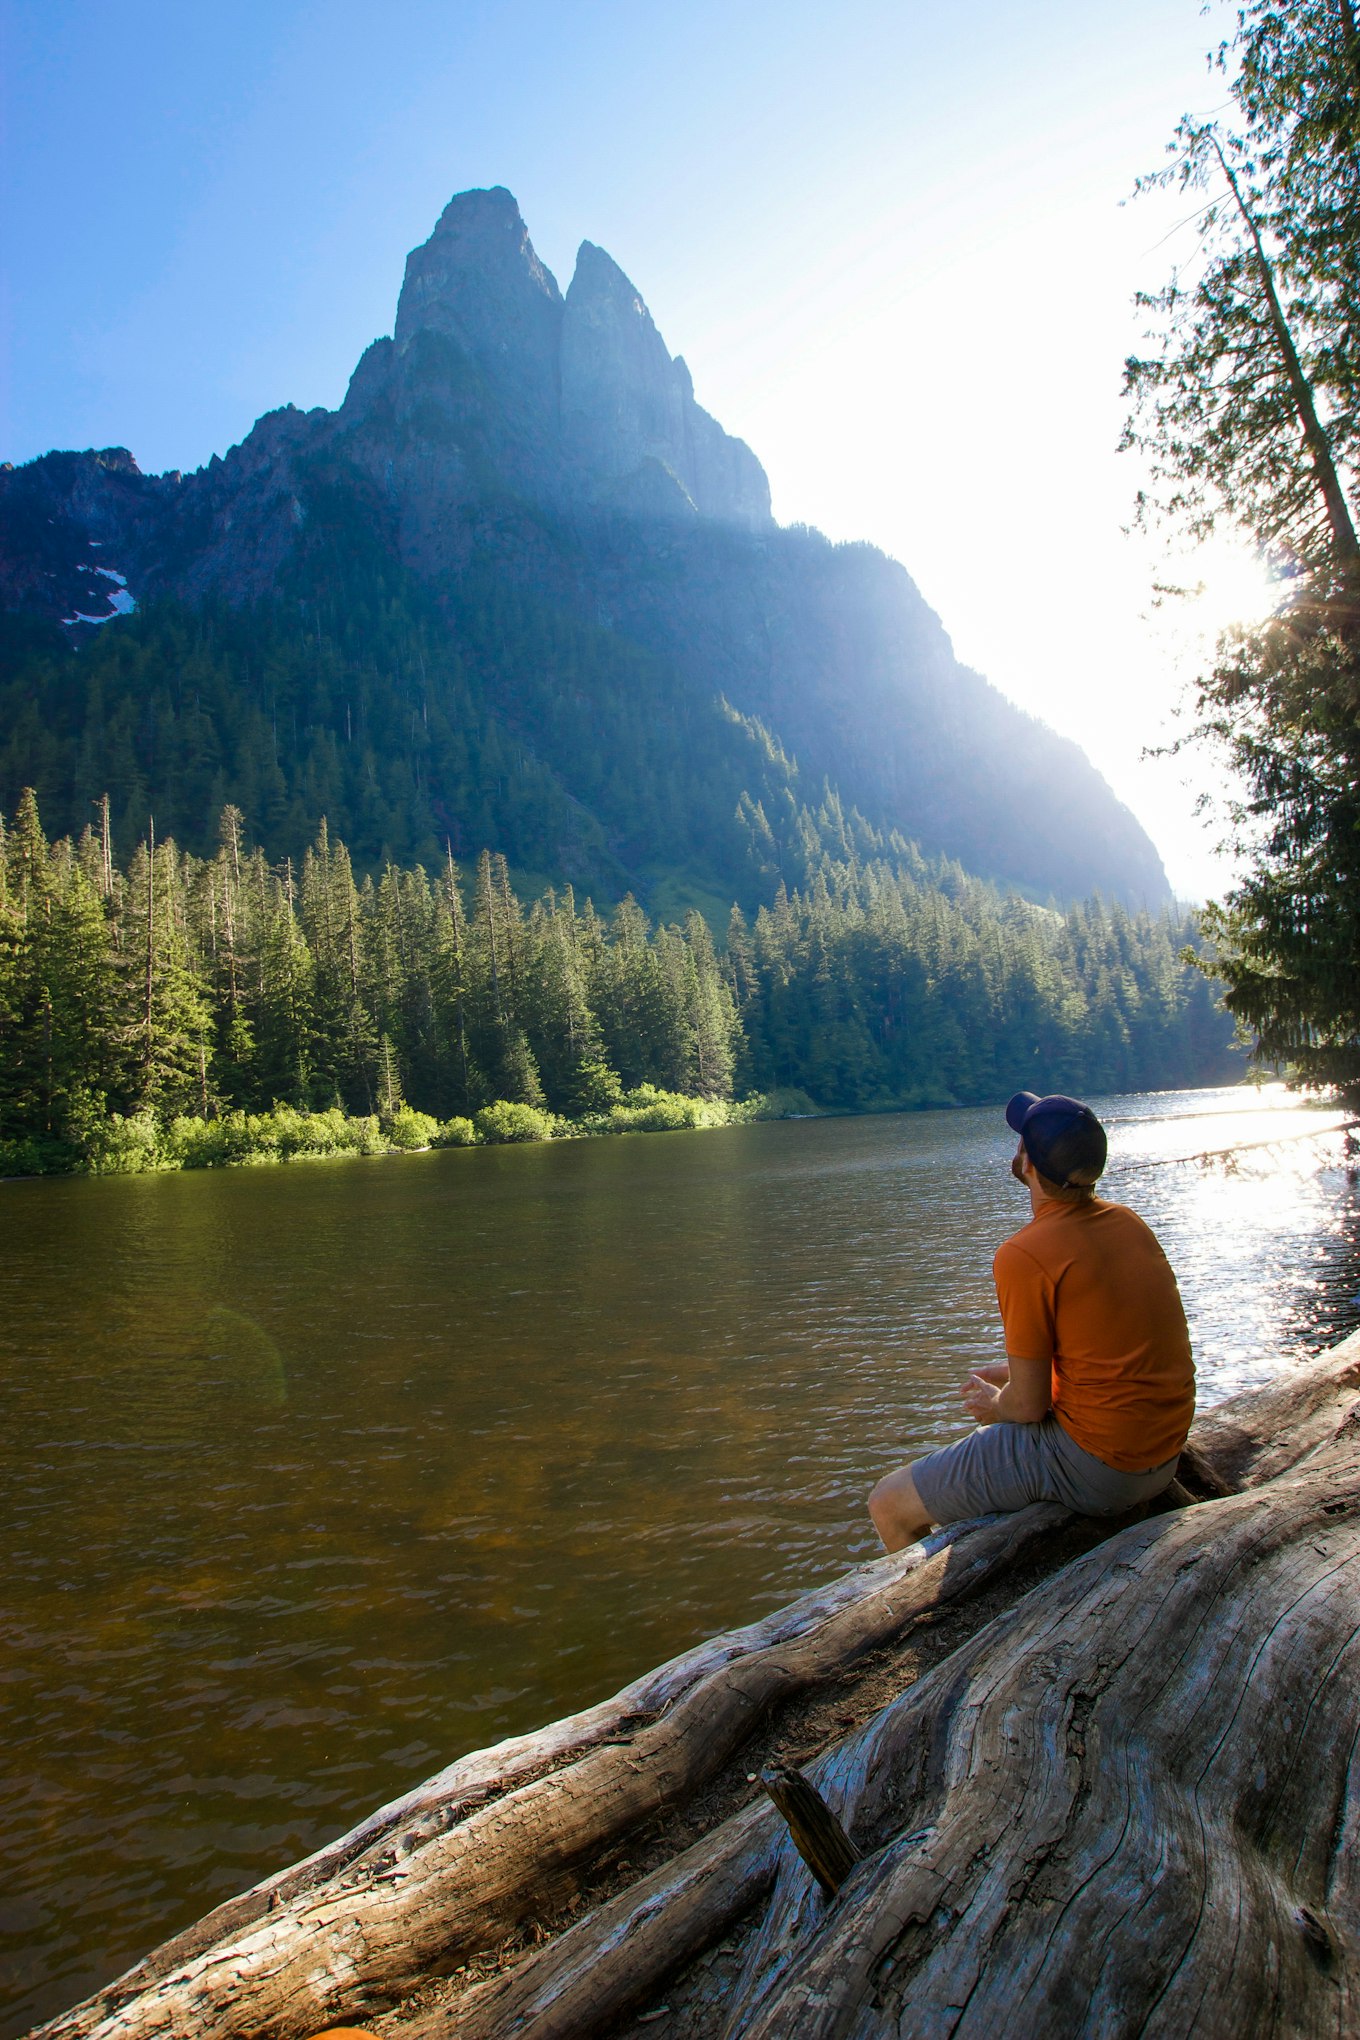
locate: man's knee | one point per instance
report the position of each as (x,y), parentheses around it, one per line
(897,1511)
(883,1496)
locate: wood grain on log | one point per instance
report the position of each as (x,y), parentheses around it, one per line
(453,1866)
(418,1901)
(1255,1436)
(1130,1805)
(598,1970)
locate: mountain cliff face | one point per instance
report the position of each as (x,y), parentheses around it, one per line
(521,490)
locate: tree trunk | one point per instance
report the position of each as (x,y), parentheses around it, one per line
(1125,1791)
(1345,547)
(1130,1804)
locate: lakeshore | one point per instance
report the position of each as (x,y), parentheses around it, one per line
(321,1476)
(145,1143)
(620,1871)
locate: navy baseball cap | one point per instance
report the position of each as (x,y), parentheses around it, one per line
(1063,1138)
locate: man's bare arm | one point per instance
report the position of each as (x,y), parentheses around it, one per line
(1026,1397)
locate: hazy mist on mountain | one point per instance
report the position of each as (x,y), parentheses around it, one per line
(519,589)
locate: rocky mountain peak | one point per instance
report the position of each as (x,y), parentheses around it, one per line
(578,399)
(598,279)
(628,409)
(479,259)
(498,400)
(478,282)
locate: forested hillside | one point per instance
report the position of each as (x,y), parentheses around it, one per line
(502,721)
(517,622)
(176,989)
(520,590)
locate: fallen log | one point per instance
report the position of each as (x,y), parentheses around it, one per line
(1131,1804)
(448,1878)
(472,1780)
(450,1869)
(602,1968)
(611,1961)
(1258,1435)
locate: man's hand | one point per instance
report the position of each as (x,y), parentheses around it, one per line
(1020,1393)
(980,1398)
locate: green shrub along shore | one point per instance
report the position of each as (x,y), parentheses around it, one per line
(175,1011)
(140,1143)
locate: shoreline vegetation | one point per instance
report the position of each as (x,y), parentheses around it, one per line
(172,1011)
(142,1144)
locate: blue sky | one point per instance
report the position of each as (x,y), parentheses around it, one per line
(887,239)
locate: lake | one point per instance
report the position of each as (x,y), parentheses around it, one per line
(318,1476)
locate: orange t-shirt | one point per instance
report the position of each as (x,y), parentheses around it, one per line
(1087,1287)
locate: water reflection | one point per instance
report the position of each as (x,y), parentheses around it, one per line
(316,1476)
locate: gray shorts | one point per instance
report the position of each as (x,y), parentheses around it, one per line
(1006,1466)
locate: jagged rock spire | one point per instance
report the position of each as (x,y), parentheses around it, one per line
(589,384)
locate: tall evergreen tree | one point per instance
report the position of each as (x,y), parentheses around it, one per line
(166,1000)
(1249,414)
(57,987)
(344,1044)
(282,991)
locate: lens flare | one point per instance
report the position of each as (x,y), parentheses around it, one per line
(1229,585)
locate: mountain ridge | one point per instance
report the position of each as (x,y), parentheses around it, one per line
(508,435)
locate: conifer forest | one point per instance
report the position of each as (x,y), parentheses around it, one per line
(170,1009)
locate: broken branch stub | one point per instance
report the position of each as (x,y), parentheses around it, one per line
(818,1836)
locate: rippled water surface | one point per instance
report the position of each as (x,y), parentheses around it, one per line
(314,1477)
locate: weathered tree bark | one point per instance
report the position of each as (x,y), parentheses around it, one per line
(1256,1436)
(1055,1753)
(611,1961)
(1131,1804)
(603,1967)
(452,1869)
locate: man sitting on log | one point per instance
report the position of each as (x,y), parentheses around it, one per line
(1094,1403)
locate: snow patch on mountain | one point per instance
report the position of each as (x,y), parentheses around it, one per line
(120,599)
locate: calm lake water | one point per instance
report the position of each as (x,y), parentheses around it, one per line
(315,1477)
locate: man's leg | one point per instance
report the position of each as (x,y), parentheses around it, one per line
(995,1469)
(898,1513)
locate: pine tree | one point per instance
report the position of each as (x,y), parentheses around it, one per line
(564,1033)
(282,993)
(459,1083)
(227,936)
(1249,414)
(58,1051)
(712,1013)
(390,1098)
(166,1001)
(502,1046)
(344,1042)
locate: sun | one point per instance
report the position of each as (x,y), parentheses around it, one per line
(1226,583)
